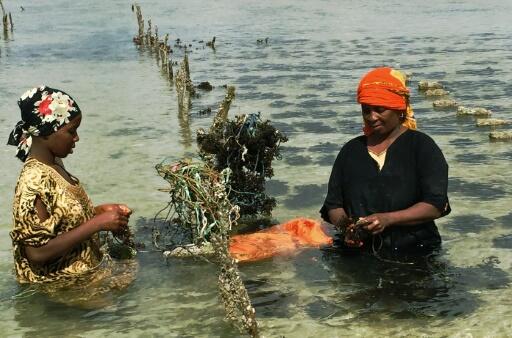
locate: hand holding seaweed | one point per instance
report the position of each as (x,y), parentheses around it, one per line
(354,233)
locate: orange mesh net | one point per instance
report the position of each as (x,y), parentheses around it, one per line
(280,239)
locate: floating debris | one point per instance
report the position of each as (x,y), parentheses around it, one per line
(206,111)
(492,122)
(205,86)
(426,85)
(445,104)
(211,43)
(262,41)
(500,136)
(466,111)
(247,145)
(436,92)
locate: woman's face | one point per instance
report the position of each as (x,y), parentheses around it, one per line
(381,119)
(62,142)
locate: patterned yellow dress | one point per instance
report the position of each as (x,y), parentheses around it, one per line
(68,206)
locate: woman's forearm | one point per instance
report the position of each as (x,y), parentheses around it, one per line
(418,213)
(62,244)
(336,216)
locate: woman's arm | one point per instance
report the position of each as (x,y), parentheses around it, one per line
(418,213)
(63,243)
(337,216)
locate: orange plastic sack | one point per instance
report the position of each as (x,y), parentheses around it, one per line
(280,239)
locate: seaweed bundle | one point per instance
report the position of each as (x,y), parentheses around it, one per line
(246,145)
(200,208)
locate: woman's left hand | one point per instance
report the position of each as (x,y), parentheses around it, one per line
(378,222)
(120,208)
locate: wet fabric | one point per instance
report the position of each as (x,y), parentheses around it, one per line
(43,111)
(281,239)
(385,87)
(414,171)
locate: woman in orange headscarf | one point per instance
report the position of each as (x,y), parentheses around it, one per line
(388,185)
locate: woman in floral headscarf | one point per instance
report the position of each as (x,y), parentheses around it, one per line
(56,227)
(388,185)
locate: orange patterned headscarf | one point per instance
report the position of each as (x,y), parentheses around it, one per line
(385,87)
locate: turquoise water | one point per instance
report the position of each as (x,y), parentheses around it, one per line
(304,80)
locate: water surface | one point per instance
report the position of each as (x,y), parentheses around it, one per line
(304,80)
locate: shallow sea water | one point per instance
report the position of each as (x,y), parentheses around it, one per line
(303,80)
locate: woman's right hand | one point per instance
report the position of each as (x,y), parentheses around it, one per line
(111,221)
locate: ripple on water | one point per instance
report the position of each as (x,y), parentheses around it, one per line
(314,127)
(463,142)
(286,128)
(349,127)
(487,71)
(321,86)
(297,160)
(127,131)
(316,103)
(322,114)
(431,76)
(306,96)
(478,190)
(326,147)
(347,98)
(256,95)
(279,104)
(306,196)
(326,160)
(291,150)
(275,187)
(468,223)
(289,114)
(320,308)
(472,158)
(507,155)
(503,242)
(271,303)
(505,220)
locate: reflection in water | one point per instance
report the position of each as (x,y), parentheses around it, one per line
(480,190)
(184,123)
(295,81)
(370,288)
(468,223)
(306,196)
(270,301)
(506,220)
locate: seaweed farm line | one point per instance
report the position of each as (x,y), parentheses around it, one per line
(298,65)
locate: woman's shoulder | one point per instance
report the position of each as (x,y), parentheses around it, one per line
(418,135)
(355,143)
(34,173)
(418,138)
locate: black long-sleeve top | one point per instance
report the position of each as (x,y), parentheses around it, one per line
(414,170)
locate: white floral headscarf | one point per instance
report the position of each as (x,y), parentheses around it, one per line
(43,111)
